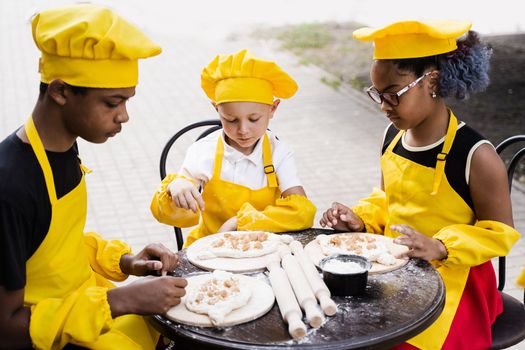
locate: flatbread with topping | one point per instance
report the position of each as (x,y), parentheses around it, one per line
(222,299)
(236,251)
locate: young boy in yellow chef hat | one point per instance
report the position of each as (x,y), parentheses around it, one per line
(444,191)
(55,284)
(248,176)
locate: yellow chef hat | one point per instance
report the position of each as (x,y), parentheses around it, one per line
(242,77)
(412,39)
(89,46)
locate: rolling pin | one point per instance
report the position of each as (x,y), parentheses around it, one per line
(303,292)
(290,310)
(317,284)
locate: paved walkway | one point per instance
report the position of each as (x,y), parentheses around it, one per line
(336,134)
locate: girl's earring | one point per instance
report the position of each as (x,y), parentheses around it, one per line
(434,95)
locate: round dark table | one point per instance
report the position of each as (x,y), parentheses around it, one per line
(395,307)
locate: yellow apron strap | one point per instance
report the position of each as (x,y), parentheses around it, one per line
(269,170)
(442,156)
(395,141)
(85,170)
(219,154)
(38,148)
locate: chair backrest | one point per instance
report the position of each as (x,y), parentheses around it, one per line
(511,167)
(212,125)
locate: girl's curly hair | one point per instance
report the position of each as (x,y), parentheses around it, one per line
(463,71)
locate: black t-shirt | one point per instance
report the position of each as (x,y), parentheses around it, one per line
(25,209)
(456,162)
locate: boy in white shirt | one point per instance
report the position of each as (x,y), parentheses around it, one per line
(248,176)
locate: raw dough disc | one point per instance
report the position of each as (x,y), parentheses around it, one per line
(260,303)
(226,264)
(314,252)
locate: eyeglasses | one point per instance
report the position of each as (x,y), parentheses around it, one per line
(392,98)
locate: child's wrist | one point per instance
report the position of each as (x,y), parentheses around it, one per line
(442,250)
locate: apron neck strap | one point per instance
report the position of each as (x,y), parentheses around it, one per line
(442,156)
(219,155)
(269,169)
(394,142)
(40,152)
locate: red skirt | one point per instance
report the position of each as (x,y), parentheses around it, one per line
(478,308)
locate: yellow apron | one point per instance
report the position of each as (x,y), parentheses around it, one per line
(223,198)
(67,298)
(410,188)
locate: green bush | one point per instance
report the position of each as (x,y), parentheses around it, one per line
(309,35)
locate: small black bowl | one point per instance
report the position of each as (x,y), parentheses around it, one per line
(345,283)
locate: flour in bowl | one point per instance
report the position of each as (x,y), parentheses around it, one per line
(342,267)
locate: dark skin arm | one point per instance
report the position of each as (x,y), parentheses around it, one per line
(489,190)
(150,295)
(147,296)
(14,320)
(489,186)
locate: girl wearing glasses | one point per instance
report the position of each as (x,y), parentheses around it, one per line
(444,191)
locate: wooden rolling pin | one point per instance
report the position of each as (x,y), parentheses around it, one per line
(301,288)
(290,310)
(317,284)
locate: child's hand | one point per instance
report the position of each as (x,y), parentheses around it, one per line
(185,195)
(147,296)
(154,258)
(229,225)
(420,246)
(341,218)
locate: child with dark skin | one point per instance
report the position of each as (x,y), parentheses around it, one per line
(54,281)
(444,191)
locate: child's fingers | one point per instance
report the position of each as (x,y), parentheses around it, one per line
(404,240)
(326,219)
(198,197)
(403,229)
(351,221)
(334,209)
(190,201)
(406,254)
(338,209)
(331,217)
(182,200)
(147,265)
(176,200)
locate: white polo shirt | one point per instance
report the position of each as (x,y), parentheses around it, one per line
(246,170)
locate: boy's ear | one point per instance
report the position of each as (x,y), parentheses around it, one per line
(274,106)
(57,91)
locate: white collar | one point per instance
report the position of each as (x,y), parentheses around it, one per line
(427,147)
(232,155)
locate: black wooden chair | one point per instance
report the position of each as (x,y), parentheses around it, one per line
(211,125)
(509,328)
